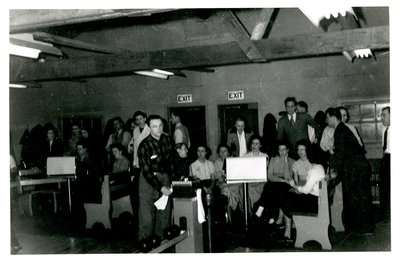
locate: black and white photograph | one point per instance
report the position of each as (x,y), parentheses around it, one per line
(259,128)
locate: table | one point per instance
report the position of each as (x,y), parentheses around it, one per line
(48,180)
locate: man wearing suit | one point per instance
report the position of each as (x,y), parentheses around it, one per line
(352,167)
(293,126)
(384,174)
(239,139)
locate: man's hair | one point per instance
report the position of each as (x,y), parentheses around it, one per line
(290,99)
(240,119)
(303,104)
(153,117)
(118,146)
(177,114)
(347,112)
(386,108)
(334,112)
(138,113)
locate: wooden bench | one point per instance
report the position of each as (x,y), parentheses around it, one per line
(115,199)
(315,227)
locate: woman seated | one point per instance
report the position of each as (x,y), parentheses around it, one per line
(255,189)
(203,169)
(181,163)
(304,198)
(121,163)
(231,191)
(280,174)
(302,165)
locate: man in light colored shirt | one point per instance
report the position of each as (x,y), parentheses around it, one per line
(384,188)
(120,135)
(139,133)
(181,133)
(239,139)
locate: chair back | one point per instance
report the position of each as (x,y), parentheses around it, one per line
(323,204)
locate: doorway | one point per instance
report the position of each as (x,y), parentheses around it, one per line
(228,113)
(194,118)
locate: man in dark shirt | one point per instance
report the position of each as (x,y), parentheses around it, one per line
(351,165)
(154,181)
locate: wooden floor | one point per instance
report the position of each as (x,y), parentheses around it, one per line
(47,233)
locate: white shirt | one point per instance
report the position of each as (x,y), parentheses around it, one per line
(293,115)
(387,150)
(311,133)
(137,138)
(51,143)
(315,174)
(242,144)
(178,135)
(201,170)
(327,139)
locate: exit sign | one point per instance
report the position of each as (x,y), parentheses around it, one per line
(235,95)
(184,98)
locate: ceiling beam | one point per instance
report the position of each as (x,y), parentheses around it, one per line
(35,19)
(261,23)
(240,34)
(77,44)
(289,47)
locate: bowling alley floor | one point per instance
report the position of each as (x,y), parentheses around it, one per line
(47,233)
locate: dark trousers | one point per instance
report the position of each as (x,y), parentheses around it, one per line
(357,201)
(151,220)
(272,197)
(299,203)
(384,187)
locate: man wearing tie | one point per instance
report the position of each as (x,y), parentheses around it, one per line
(294,126)
(385,165)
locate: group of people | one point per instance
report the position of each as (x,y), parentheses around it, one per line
(299,150)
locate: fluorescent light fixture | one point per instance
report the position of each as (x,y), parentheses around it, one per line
(316,12)
(151,74)
(23,51)
(163,72)
(18,86)
(26,40)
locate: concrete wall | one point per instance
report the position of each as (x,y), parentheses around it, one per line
(321,82)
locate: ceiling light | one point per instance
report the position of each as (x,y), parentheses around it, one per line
(151,74)
(18,86)
(163,72)
(23,51)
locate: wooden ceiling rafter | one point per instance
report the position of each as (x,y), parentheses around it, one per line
(264,18)
(77,44)
(289,47)
(22,20)
(241,36)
